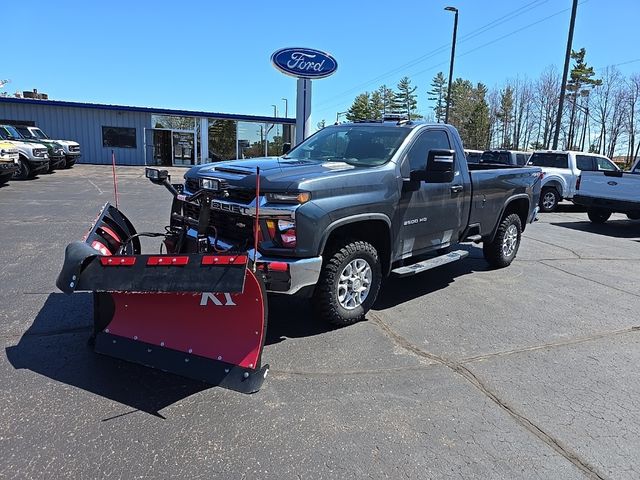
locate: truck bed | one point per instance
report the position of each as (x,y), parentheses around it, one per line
(493,184)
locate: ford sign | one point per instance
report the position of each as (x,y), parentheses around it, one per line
(304,62)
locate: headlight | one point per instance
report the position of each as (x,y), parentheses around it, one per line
(210,184)
(300,198)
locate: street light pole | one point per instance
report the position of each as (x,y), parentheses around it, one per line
(453,53)
(567,56)
(286,108)
(338,116)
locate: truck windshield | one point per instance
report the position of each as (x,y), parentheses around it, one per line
(25,132)
(12,132)
(361,145)
(549,159)
(39,133)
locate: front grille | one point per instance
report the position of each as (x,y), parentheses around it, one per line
(229,226)
(238,195)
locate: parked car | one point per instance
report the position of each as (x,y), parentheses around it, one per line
(8,161)
(54,150)
(71,148)
(604,193)
(32,157)
(505,157)
(561,170)
(473,156)
(357,202)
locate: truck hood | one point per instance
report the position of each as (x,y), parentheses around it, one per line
(24,145)
(276,173)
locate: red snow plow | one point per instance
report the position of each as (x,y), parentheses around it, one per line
(195,311)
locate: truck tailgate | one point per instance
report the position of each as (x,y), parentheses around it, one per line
(610,185)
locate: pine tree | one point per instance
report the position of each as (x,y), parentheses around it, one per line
(580,77)
(406,100)
(438,94)
(376,105)
(388,97)
(361,108)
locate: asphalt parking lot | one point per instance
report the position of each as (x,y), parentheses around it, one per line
(462,372)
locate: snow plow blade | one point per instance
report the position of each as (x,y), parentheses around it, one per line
(198,315)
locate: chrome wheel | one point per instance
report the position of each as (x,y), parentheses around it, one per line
(354,283)
(510,240)
(549,200)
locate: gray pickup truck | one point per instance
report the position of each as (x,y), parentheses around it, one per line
(357,202)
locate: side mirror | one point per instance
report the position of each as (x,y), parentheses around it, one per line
(285,148)
(157,176)
(440,166)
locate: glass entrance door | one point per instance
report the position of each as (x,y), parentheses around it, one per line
(183,149)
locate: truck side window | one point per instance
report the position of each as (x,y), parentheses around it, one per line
(605,164)
(521,159)
(585,163)
(429,140)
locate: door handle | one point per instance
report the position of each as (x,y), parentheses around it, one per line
(456,188)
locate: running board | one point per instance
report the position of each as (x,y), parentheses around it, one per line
(430,263)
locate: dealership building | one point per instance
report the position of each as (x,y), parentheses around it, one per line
(151,136)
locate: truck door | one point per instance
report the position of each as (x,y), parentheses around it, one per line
(432,215)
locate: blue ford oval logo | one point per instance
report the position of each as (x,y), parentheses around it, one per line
(304,62)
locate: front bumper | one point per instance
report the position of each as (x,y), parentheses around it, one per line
(292,274)
(56,162)
(39,165)
(8,169)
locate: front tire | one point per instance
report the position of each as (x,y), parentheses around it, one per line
(24,171)
(504,247)
(348,284)
(598,216)
(549,199)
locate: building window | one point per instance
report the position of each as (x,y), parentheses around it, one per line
(119,137)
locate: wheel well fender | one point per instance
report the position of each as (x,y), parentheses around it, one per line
(557,183)
(372,228)
(518,204)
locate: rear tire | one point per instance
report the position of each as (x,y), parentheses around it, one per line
(633,216)
(549,199)
(504,247)
(348,284)
(24,171)
(598,216)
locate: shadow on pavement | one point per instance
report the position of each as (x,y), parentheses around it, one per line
(613,228)
(63,354)
(568,207)
(399,290)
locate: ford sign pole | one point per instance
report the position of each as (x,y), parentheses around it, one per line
(305,64)
(303,109)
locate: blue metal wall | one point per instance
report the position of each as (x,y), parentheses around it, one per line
(84,125)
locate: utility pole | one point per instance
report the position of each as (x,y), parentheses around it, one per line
(453,53)
(286,107)
(563,86)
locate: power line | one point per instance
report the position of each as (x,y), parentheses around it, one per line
(474,33)
(502,37)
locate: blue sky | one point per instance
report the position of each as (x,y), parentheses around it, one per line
(215,55)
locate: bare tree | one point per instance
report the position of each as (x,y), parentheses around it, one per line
(545,98)
(602,105)
(633,114)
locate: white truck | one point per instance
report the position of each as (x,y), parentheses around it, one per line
(71,148)
(604,193)
(561,169)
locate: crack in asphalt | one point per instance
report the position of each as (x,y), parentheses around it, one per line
(342,373)
(589,279)
(547,346)
(457,367)
(554,245)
